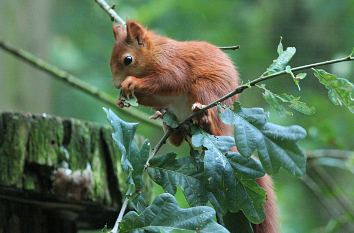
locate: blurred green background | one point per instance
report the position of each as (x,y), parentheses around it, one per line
(77,37)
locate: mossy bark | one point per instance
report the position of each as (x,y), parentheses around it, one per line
(32,147)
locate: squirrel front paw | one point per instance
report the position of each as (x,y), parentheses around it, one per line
(129,85)
(202,120)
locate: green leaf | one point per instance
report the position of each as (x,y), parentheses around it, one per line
(283,59)
(220,176)
(301,76)
(132,101)
(275,144)
(297,79)
(237,222)
(251,198)
(340,90)
(170,119)
(276,102)
(139,202)
(133,159)
(280,103)
(245,166)
(164,215)
(216,166)
(295,103)
(170,172)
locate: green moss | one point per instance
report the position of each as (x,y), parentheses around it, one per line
(29,143)
(45,138)
(14,131)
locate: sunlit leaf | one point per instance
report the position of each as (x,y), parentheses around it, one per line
(301,76)
(275,144)
(276,102)
(283,59)
(340,90)
(280,103)
(164,215)
(297,79)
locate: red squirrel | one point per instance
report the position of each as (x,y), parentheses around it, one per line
(180,77)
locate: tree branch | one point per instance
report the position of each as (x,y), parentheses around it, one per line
(74,82)
(330,185)
(337,154)
(316,190)
(120,215)
(239,90)
(109,10)
(234,47)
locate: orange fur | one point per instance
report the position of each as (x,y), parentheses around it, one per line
(174,75)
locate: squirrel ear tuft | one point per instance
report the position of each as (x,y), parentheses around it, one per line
(118,30)
(135,32)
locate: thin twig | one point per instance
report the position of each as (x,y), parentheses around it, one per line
(74,81)
(316,190)
(337,154)
(116,18)
(241,89)
(330,184)
(229,47)
(109,10)
(120,215)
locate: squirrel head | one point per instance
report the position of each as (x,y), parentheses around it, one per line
(131,51)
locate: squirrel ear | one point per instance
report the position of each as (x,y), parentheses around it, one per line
(135,32)
(118,31)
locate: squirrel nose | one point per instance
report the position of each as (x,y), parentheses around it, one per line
(117,83)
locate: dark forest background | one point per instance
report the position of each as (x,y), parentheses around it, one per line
(77,37)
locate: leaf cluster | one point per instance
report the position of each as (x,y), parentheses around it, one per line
(215,179)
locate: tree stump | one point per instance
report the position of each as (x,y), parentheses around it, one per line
(32,148)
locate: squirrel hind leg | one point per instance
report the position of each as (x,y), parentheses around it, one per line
(177,136)
(205,119)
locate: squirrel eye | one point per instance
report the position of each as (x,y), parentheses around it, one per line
(128,60)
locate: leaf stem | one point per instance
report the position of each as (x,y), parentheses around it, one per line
(74,82)
(239,90)
(121,213)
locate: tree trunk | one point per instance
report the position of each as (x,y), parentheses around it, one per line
(32,149)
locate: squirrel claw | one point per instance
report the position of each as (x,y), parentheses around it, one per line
(203,118)
(129,85)
(157,115)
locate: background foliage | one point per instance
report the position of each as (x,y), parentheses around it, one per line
(76,36)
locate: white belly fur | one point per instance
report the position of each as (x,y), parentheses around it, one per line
(178,105)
